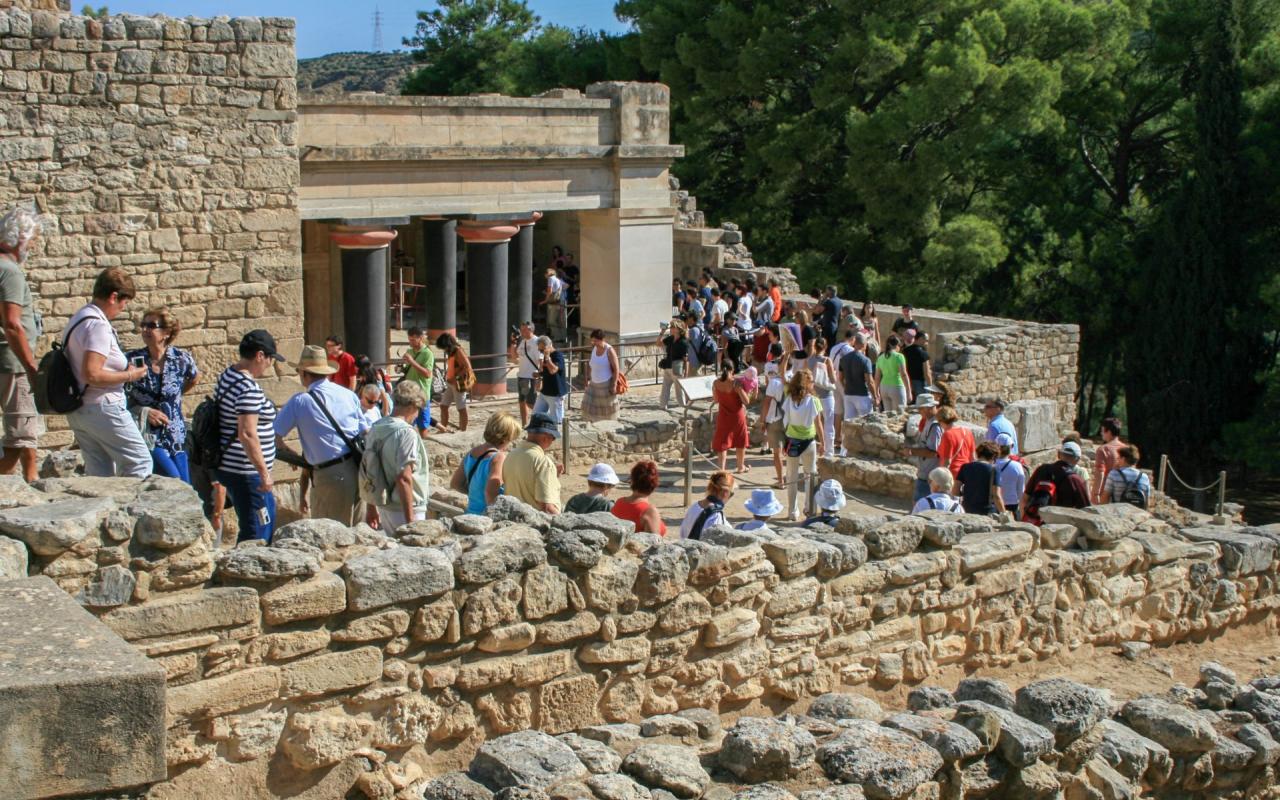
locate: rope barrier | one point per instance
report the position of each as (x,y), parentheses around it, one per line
(1191,488)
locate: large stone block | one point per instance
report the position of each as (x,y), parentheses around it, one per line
(198,611)
(52,528)
(1036,422)
(321,596)
(224,694)
(393,576)
(81,712)
(331,672)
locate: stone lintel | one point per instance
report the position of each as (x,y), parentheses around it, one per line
(516,152)
(373,99)
(81,712)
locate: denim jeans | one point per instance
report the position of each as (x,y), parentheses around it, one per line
(110,441)
(255,509)
(553,406)
(170,465)
(921,489)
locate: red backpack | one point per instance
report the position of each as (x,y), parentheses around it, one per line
(1042,494)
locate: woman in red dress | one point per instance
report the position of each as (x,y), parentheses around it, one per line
(731,421)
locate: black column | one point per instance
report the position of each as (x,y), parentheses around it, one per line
(487,264)
(520,277)
(440,247)
(364,303)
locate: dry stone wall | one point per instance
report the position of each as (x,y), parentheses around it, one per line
(164,146)
(337,643)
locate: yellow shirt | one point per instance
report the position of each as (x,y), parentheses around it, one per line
(529,475)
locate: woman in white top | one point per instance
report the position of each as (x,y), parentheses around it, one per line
(802,426)
(709,511)
(824,388)
(601,400)
(108,436)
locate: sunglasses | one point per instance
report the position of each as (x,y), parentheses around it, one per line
(154,326)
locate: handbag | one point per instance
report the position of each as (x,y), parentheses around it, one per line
(620,384)
(796,447)
(465,378)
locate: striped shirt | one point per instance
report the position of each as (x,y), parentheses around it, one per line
(238,393)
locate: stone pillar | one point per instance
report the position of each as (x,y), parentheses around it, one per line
(440,248)
(520,272)
(487,264)
(364,288)
(626,271)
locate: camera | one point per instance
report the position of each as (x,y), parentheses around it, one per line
(662,326)
(515,332)
(138,361)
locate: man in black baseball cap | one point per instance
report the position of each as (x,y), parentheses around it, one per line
(259,341)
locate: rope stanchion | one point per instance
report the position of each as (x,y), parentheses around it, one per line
(1222,478)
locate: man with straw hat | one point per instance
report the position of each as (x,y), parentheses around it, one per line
(762,504)
(331,427)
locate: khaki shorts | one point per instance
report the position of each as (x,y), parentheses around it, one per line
(22,423)
(776,433)
(453,397)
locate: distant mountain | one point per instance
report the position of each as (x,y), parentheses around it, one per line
(341,73)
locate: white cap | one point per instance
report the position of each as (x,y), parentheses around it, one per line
(603,473)
(1070,448)
(830,495)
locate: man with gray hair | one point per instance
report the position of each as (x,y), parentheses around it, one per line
(20,325)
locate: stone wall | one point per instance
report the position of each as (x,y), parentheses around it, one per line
(335,644)
(1017,361)
(165,146)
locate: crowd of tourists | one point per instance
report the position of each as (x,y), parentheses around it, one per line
(361,434)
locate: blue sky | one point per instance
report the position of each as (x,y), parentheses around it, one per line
(328,26)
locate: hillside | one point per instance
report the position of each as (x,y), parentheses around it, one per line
(340,73)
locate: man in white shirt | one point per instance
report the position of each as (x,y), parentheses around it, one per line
(524,349)
(554,301)
(718,307)
(744,306)
(835,354)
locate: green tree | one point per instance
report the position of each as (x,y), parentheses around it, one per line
(469,46)
(101,12)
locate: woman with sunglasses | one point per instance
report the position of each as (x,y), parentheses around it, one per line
(156,398)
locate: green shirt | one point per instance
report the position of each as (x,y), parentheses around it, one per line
(891,366)
(428,360)
(15,289)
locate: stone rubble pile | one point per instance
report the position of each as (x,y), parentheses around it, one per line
(1052,738)
(337,648)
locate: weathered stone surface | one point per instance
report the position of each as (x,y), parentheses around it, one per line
(111,586)
(393,576)
(759,749)
(525,758)
(319,739)
(673,768)
(1057,537)
(617,787)
(664,573)
(579,549)
(1176,727)
(322,596)
(597,757)
(57,664)
(267,564)
(730,627)
(791,557)
(896,537)
(13,559)
(257,735)
(688,610)
(226,693)
(837,706)
(545,592)
(211,608)
(323,534)
(609,583)
(924,698)
(619,651)
(472,525)
(887,764)
(579,626)
(497,554)
(169,520)
(953,742)
(668,725)
(1132,754)
(455,786)
(941,529)
(1021,740)
(1266,750)
(836,791)
(1067,708)
(330,672)
(51,528)
(382,625)
(980,551)
(764,791)
(988,690)
(568,703)
(507,638)
(1263,705)
(1243,553)
(1096,524)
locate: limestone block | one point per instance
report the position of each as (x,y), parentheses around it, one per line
(111,586)
(396,575)
(1036,423)
(267,564)
(619,651)
(13,559)
(322,738)
(211,608)
(51,528)
(791,557)
(664,573)
(224,694)
(286,646)
(730,627)
(321,596)
(57,663)
(495,555)
(610,582)
(330,672)
(383,625)
(887,764)
(980,551)
(252,736)
(1243,553)
(526,758)
(567,704)
(508,638)
(896,538)
(545,592)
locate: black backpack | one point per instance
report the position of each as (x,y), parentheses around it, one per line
(56,390)
(206,436)
(706,349)
(1132,492)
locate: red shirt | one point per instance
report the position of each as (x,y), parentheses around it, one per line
(760,346)
(632,512)
(776,294)
(955,449)
(346,374)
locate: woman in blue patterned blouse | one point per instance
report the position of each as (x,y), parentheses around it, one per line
(157,397)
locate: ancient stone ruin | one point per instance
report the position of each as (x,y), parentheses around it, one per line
(338,658)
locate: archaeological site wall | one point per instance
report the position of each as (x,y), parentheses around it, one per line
(334,644)
(167,146)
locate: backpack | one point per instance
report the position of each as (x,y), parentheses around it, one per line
(56,390)
(1041,495)
(372,484)
(705,349)
(1132,492)
(715,507)
(206,437)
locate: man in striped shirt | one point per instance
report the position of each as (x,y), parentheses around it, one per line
(246,422)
